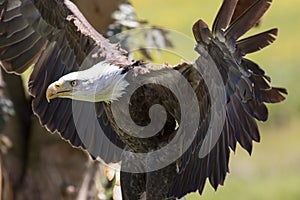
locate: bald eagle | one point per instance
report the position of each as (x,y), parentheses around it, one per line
(81,81)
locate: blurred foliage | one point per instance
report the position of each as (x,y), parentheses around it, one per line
(273,171)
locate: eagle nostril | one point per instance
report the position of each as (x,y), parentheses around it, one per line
(57,85)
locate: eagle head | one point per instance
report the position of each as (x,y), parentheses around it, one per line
(101,82)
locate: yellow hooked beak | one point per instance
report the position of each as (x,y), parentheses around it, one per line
(56,90)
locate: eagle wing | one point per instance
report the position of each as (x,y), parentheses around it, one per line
(57,39)
(246,88)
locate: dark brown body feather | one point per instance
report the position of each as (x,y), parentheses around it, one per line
(55,36)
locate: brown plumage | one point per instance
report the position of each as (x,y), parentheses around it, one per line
(55,37)
(241,7)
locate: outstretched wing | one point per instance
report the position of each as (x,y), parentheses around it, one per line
(246,91)
(57,39)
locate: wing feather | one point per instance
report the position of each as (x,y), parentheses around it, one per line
(248,19)
(256,42)
(16,38)
(224,15)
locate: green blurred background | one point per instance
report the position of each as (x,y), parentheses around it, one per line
(273,170)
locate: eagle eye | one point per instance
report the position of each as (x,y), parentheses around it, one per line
(73,83)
